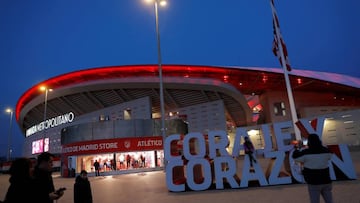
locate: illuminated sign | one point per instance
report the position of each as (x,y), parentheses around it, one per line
(114,145)
(50,123)
(37,146)
(46,144)
(210,163)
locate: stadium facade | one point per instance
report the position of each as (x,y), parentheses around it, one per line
(112,114)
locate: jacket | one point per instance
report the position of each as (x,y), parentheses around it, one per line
(43,185)
(316,164)
(82,190)
(248,147)
(20,190)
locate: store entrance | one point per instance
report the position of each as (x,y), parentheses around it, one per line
(117,163)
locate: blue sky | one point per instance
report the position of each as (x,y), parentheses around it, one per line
(40,39)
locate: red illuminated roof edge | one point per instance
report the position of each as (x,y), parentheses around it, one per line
(99,72)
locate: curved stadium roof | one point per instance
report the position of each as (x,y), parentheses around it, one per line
(92,89)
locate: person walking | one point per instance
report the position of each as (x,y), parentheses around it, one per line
(97,168)
(21,182)
(43,181)
(249,150)
(128,160)
(82,189)
(315,160)
(142,158)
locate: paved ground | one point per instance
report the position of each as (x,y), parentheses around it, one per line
(150,187)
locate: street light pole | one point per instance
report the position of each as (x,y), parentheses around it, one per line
(45,107)
(43,88)
(10,111)
(162,105)
(161,86)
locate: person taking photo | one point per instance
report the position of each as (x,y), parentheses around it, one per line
(315,160)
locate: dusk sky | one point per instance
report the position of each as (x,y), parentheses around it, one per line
(40,39)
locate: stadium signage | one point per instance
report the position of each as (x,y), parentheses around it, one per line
(146,143)
(50,123)
(113,145)
(206,166)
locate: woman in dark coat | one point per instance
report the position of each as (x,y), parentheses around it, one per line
(82,189)
(21,183)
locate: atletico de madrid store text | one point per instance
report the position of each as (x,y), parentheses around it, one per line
(113,155)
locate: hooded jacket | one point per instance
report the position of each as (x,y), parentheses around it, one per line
(82,190)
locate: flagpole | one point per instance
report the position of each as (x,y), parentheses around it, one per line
(286,75)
